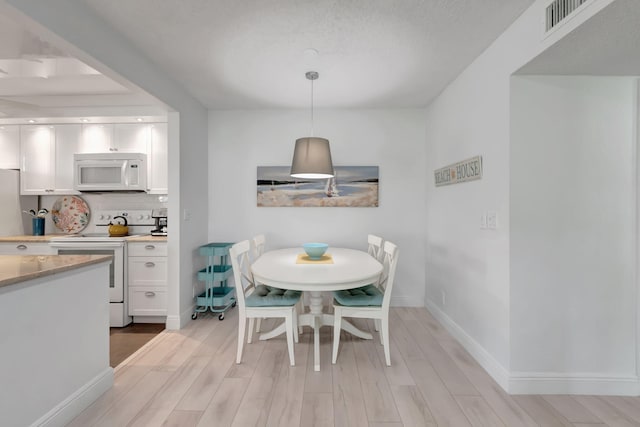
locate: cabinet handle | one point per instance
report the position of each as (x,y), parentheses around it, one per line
(149,294)
(150,247)
(150,264)
(21,247)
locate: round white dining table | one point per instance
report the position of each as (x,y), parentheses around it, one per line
(350,269)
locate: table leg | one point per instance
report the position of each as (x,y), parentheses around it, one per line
(278,330)
(316,319)
(316,343)
(349,327)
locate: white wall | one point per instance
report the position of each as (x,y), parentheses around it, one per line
(572,204)
(391,139)
(471,265)
(54,358)
(87,37)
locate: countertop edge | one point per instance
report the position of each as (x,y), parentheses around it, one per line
(76,261)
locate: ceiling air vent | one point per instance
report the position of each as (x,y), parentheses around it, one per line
(558,10)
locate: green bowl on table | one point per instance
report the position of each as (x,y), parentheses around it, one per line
(315,250)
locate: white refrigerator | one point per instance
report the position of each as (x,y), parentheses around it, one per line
(12,221)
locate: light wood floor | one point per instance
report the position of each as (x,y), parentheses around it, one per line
(189,377)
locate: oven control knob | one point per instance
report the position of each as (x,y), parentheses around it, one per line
(140,216)
(101,217)
(148,217)
(107,216)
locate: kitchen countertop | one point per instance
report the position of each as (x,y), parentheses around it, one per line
(147,238)
(18,268)
(29,238)
(46,238)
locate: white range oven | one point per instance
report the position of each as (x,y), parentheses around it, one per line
(97,242)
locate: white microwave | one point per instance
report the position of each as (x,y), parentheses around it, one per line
(110,172)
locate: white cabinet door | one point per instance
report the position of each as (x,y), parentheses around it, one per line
(37,147)
(10,147)
(131,137)
(147,278)
(97,138)
(158,174)
(26,248)
(68,141)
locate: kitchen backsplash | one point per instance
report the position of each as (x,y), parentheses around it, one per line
(105,201)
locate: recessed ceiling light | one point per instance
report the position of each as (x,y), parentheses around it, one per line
(31,121)
(84,120)
(310,53)
(139,119)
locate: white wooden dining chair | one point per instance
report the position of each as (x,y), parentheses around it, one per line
(375,246)
(260,301)
(257,249)
(368,302)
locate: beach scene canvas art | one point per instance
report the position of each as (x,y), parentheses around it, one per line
(352,186)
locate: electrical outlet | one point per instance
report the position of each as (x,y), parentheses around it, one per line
(483,221)
(492,220)
(444,298)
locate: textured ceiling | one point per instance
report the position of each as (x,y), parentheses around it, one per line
(607,44)
(372,53)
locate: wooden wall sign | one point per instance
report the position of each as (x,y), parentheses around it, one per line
(466,170)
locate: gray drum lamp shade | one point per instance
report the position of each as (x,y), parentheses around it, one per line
(312,159)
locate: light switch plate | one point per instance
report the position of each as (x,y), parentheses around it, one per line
(483,221)
(492,220)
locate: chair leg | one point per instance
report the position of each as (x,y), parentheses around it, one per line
(241,325)
(295,324)
(300,309)
(376,324)
(289,328)
(337,327)
(250,334)
(258,322)
(384,330)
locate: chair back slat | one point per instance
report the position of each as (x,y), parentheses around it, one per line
(257,246)
(390,262)
(375,246)
(239,254)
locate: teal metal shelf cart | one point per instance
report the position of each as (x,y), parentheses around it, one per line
(217,296)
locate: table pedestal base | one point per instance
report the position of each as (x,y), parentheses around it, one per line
(317,319)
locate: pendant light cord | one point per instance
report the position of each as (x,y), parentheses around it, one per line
(311,107)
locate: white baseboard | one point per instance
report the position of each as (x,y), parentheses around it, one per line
(538,382)
(78,401)
(179,322)
(482,356)
(406,302)
(578,383)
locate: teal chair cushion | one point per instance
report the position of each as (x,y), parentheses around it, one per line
(364,296)
(267,296)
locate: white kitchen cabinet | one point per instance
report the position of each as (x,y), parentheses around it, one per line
(118,137)
(37,148)
(97,138)
(47,158)
(158,160)
(26,248)
(131,137)
(10,147)
(147,284)
(68,140)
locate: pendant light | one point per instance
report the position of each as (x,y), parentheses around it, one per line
(312,155)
